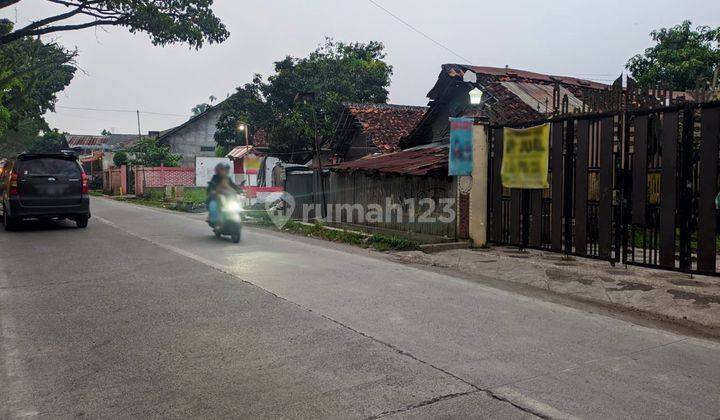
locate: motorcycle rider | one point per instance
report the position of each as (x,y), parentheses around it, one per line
(220,181)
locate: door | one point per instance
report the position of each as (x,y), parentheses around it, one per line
(49,182)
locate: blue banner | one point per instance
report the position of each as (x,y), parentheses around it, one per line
(461,148)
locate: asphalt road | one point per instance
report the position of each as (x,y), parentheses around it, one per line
(145,315)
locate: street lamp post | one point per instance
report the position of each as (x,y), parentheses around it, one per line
(244,128)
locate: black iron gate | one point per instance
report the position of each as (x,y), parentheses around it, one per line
(636,187)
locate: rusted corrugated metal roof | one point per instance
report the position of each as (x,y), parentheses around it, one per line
(540,97)
(239,151)
(418,161)
(79,140)
(505,73)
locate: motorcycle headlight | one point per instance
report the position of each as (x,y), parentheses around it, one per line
(233,206)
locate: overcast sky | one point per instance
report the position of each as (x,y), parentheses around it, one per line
(122,71)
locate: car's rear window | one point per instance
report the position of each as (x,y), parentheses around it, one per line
(49,166)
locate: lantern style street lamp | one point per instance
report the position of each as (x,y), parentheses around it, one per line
(476,96)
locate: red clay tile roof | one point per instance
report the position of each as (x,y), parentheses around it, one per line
(419,161)
(386,124)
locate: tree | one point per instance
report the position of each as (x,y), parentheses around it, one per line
(682,58)
(200,108)
(120,158)
(337,72)
(148,152)
(189,21)
(32,72)
(50,142)
(19,139)
(31,137)
(221,151)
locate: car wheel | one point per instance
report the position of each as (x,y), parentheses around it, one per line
(82,222)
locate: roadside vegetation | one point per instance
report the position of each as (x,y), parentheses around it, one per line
(192,200)
(257,216)
(377,241)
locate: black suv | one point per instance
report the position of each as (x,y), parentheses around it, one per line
(44,186)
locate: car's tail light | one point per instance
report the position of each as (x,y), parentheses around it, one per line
(13,184)
(84,179)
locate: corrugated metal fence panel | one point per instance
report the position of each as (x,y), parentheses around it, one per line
(300,186)
(351,197)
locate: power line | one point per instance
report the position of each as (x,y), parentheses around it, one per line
(404,22)
(133,111)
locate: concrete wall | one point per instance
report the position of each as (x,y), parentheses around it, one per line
(189,140)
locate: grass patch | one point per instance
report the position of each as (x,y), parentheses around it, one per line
(146,201)
(194,195)
(378,241)
(96,193)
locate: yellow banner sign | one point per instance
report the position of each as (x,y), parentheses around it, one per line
(525,157)
(252,164)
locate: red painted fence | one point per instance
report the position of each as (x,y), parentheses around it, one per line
(162,176)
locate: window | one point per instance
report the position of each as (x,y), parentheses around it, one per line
(207,148)
(50,166)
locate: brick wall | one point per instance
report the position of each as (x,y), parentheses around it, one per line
(162,176)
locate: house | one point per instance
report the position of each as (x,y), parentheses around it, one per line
(95,148)
(85,144)
(195,137)
(367,129)
(507,95)
(413,164)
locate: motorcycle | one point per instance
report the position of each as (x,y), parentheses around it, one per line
(229,218)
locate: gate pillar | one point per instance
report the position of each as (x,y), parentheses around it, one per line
(479,188)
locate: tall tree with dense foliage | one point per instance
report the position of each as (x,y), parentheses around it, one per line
(189,21)
(51,141)
(148,152)
(682,58)
(32,72)
(336,72)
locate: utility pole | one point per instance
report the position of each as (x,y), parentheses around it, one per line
(319,188)
(138,120)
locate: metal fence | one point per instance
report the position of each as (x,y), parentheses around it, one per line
(637,187)
(409,198)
